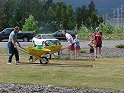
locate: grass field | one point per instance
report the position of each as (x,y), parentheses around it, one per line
(105,73)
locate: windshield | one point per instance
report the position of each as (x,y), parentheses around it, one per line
(8,30)
(48,37)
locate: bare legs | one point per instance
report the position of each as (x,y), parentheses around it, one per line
(77,53)
(98,51)
(71,52)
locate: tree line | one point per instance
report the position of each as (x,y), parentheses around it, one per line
(50,16)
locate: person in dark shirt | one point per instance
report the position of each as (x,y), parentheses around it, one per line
(12,47)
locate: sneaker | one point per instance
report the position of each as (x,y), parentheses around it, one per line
(8,63)
(17,62)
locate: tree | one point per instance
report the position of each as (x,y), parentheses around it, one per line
(100,20)
(9,12)
(1,14)
(92,13)
(64,16)
(30,24)
(70,17)
(81,16)
(50,15)
(60,14)
(26,8)
(92,8)
(84,12)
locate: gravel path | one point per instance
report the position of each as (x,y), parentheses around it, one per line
(110,52)
(22,88)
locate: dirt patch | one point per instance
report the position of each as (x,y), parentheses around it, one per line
(105,63)
(60,64)
(68,65)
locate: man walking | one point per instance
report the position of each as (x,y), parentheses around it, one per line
(12,46)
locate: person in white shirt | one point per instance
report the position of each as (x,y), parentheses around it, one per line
(71,44)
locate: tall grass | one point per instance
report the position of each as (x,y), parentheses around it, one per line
(109,32)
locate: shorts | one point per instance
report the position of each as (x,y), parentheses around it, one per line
(71,47)
(98,45)
(91,50)
(77,48)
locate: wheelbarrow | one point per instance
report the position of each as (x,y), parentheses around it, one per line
(36,54)
(54,49)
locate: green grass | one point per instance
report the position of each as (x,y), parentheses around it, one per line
(120,46)
(106,72)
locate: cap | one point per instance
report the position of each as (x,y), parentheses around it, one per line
(97,28)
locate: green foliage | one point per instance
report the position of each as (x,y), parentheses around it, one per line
(110,32)
(84,32)
(87,16)
(7,13)
(83,51)
(118,30)
(91,7)
(55,16)
(30,24)
(120,46)
(92,14)
(81,16)
(28,7)
(1,14)
(70,17)
(65,18)
(106,28)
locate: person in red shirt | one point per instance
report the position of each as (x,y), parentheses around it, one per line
(98,41)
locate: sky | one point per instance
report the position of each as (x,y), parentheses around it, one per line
(101,5)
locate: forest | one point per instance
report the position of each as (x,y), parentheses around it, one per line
(48,15)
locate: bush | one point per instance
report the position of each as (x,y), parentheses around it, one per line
(30,24)
(83,51)
(84,33)
(106,28)
(120,46)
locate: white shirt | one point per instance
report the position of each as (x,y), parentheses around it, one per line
(69,38)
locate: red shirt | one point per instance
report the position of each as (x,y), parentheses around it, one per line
(98,38)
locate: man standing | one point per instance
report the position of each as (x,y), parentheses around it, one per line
(12,47)
(71,43)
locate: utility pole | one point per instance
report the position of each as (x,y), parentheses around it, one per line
(106,17)
(122,15)
(122,11)
(114,11)
(118,16)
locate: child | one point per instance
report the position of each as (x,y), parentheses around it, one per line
(77,46)
(91,45)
